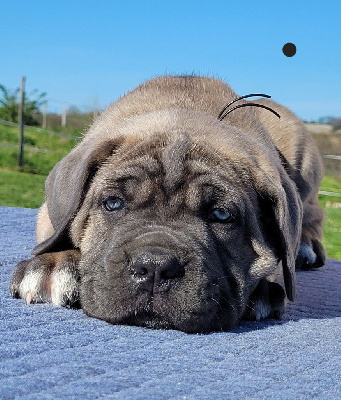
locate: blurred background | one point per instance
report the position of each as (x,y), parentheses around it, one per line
(78,56)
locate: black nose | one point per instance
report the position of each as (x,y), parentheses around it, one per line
(155,270)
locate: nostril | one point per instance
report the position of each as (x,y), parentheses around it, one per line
(171,270)
(142,268)
(142,274)
(139,270)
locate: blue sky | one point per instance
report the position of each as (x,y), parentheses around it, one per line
(90,52)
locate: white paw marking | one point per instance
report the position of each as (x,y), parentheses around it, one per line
(59,288)
(64,287)
(30,288)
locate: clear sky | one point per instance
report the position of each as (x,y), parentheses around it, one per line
(86,52)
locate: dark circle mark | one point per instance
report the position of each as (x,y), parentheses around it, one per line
(289,49)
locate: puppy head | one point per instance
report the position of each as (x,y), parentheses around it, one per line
(176,228)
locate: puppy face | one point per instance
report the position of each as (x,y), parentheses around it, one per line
(171,236)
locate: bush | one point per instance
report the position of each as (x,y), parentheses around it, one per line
(9,103)
(336,124)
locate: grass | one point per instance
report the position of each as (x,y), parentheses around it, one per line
(332,224)
(43,150)
(332,233)
(19,189)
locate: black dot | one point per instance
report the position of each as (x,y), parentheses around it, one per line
(289,49)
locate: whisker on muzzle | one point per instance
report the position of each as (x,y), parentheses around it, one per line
(216,301)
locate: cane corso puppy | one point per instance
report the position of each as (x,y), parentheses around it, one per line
(176,211)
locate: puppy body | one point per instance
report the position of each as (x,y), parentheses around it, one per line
(175,219)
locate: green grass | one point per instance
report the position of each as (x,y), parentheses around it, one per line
(19,189)
(331,184)
(44,150)
(332,224)
(41,150)
(332,233)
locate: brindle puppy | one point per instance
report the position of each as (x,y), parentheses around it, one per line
(167,217)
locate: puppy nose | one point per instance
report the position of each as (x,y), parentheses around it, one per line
(155,270)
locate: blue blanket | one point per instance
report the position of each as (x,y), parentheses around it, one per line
(54,353)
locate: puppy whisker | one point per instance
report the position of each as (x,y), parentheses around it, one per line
(216,301)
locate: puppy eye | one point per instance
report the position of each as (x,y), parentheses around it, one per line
(220,215)
(113,204)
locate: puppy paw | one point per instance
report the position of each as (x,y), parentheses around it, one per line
(310,256)
(50,277)
(267,301)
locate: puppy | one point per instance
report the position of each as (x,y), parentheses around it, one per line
(177,212)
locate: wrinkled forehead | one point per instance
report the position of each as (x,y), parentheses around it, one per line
(171,164)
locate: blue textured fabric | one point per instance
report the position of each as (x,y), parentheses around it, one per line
(54,353)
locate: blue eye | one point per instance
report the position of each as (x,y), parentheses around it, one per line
(113,204)
(220,215)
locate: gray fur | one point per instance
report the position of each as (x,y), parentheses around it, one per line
(161,261)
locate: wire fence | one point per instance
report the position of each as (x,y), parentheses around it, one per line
(54,114)
(39,129)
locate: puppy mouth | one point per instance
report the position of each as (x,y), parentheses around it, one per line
(148,319)
(155,311)
(150,312)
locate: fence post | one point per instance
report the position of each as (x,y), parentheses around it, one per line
(64,116)
(44,114)
(21,121)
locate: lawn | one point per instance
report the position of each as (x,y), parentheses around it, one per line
(42,150)
(19,189)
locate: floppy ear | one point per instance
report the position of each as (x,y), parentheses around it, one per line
(282,224)
(65,189)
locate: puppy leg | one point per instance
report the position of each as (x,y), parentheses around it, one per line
(311,253)
(44,227)
(268,300)
(49,277)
